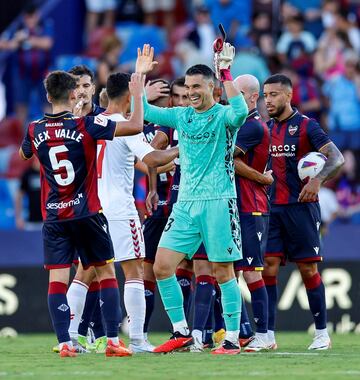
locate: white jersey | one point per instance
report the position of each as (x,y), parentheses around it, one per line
(115,162)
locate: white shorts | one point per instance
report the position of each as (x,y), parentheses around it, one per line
(99,6)
(127,238)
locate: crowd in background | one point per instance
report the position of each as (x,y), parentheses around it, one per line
(315,42)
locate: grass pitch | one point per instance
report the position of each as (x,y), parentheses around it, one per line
(30,357)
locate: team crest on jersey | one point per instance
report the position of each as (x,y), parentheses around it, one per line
(292,129)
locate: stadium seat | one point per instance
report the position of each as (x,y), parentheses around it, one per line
(66,62)
(134,36)
(94,45)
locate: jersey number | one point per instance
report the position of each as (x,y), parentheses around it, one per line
(101,144)
(169,224)
(58,164)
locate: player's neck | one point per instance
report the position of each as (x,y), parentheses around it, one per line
(87,108)
(207,107)
(59,108)
(286,114)
(117,107)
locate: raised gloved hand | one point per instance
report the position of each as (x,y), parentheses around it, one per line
(222,61)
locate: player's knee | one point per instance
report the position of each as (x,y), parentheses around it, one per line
(307,270)
(271,267)
(224,272)
(252,276)
(105,271)
(162,270)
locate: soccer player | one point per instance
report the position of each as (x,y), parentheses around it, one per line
(295,213)
(73,220)
(116,182)
(252,143)
(207,196)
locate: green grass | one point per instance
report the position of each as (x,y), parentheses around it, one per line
(30,357)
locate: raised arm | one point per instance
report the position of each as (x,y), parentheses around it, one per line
(135,124)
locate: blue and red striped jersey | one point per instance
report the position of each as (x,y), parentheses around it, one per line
(291,139)
(66,148)
(253,139)
(172,135)
(163,179)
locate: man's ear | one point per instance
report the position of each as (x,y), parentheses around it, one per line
(48,98)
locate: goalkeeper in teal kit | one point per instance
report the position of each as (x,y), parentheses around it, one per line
(206,209)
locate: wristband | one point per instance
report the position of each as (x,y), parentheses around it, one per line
(225,75)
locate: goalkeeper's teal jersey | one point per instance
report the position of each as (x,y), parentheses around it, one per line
(206,146)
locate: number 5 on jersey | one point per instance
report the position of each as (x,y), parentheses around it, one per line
(58,164)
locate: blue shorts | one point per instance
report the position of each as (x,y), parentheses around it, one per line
(294,232)
(254,235)
(88,237)
(153,228)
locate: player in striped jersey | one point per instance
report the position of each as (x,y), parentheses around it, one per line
(66,148)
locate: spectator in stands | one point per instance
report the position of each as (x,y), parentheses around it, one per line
(261,33)
(295,40)
(32,44)
(306,94)
(343,93)
(233,14)
(29,217)
(151,9)
(109,63)
(97,8)
(348,190)
(343,23)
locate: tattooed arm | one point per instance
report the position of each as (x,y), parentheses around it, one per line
(333,163)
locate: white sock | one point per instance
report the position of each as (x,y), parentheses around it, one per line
(182,327)
(232,336)
(321,332)
(197,335)
(134,300)
(271,335)
(114,340)
(76,296)
(69,344)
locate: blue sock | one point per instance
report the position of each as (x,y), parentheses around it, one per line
(209,325)
(92,299)
(150,302)
(271,289)
(231,304)
(59,310)
(218,318)
(184,278)
(110,298)
(203,293)
(316,295)
(245,325)
(97,320)
(259,302)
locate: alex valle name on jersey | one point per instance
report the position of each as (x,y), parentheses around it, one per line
(59,134)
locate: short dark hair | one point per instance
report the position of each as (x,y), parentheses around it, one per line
(279,78)
(177,82)
(81,70)
(117,85)
(59,84)
(200,70)
(30,8)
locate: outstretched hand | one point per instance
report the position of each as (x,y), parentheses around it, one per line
(145,59)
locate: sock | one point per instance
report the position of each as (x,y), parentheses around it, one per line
(91,298)
(231,304)
(150,302)
(76,296)
(218,318)
(203,293)
(259,303)
(184,278)
(110,299)
(316,295)
(97,321)
(245,326)
(172,299)
(134,300)
(271,289)
(209,325)
(59,310)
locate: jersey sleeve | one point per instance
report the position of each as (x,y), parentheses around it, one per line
(138,145)
(236,112)
(26,145)
(249,135)
(317,136)
(100,127)
(159,115)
